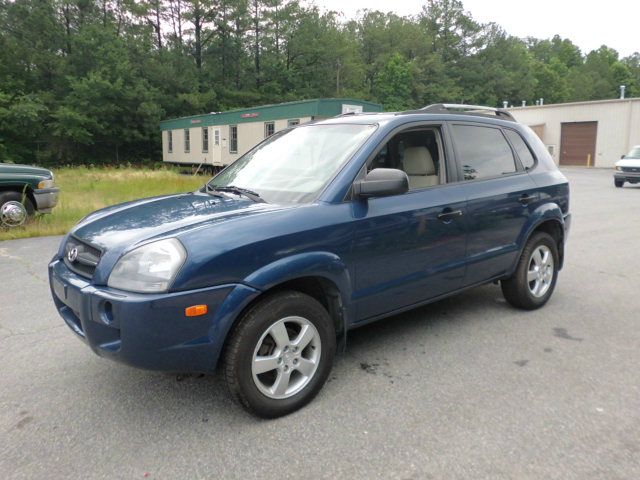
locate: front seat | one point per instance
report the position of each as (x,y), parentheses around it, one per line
(419,167)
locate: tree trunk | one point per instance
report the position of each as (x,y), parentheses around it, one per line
(67,25)
(256,26)
(158,24)
(223,41)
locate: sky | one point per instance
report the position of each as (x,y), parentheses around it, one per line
(589,25)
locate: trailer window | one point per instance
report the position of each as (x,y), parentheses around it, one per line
(233,139)
(205,139)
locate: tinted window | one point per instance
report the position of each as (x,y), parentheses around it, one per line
(482,152)
(524,154)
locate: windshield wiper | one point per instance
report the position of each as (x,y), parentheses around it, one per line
(238,191)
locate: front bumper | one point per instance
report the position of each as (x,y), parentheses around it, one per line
(46,199)
(632,177)
(148,331)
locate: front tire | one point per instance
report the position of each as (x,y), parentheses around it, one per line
(618,183)
(280,354)
(535,277)
(15,209)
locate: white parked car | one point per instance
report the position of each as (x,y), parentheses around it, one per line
(627,169)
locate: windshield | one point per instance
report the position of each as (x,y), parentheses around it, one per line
(293,166)
(634,153)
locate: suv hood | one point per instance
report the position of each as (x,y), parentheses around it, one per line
(10,168)
(127,224)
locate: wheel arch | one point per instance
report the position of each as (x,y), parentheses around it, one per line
(547,219)
(23,190)
(321,275)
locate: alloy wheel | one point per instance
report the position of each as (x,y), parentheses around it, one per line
(541,271)
(286,357)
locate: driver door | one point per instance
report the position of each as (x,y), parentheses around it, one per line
(409,248)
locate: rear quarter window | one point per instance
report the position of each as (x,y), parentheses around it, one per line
(521,148)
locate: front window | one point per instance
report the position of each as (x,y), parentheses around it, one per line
(170,141)
(634,153)
(293,166)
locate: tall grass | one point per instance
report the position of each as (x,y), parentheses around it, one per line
(83,190)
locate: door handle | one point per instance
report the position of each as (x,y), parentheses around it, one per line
(525,199)
(447,214)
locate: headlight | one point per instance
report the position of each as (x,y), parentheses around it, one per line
(150,268)
(618,168)
(46,184)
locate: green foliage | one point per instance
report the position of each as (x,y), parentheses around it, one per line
(88,81)
(394,85)
(86,189)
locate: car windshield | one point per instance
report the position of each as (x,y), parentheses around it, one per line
(293,166)
(634,153)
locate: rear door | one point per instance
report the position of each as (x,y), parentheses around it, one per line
(500,197)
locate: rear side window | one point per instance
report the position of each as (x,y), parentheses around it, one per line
(524,154)
(482,152)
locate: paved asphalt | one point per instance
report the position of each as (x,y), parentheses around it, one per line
(466,388)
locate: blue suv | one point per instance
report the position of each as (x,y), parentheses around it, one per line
(319,229)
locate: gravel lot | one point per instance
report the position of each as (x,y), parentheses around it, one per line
(465,388)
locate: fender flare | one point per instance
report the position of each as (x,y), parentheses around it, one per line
(543,213)
(310,264)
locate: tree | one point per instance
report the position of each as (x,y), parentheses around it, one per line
(394,85)
(89,80)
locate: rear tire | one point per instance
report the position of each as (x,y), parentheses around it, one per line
(534,280)
(618,183)
(280,354)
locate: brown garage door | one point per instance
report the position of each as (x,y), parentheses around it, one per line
(578,143)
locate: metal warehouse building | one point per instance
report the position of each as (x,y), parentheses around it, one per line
(217,139)
(591,134)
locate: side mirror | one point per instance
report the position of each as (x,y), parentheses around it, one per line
(623,156)
(382,182)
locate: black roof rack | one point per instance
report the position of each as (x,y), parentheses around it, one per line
(346,114)
(465,109)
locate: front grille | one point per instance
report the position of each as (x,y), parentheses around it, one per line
(631,169)
(81,257)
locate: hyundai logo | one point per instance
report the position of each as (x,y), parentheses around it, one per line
(72,255)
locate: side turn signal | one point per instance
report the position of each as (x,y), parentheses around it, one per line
(196,310)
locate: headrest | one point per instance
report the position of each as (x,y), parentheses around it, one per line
(418,161)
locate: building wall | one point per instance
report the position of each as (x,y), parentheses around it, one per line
(618,125)
(249,135)
(195,155)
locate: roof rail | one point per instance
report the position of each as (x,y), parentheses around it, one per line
(468,109)
(346,114)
